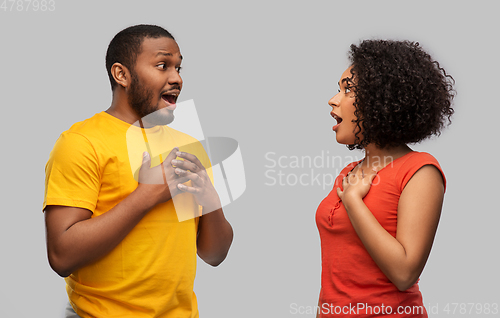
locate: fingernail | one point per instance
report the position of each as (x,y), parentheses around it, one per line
(178,153)
(145,154)
(174,162)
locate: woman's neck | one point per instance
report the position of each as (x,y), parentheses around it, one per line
(378,158)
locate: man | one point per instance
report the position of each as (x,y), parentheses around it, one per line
(112,233)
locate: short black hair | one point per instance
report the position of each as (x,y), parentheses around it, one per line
(126,46)
(402,95)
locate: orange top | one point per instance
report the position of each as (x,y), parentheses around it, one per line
(352,283)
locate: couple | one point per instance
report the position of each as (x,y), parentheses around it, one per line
(116,237)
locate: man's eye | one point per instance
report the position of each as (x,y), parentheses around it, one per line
(162,66)
(178,69)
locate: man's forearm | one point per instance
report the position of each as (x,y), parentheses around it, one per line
(215,236)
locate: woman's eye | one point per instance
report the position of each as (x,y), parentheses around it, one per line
(347,90)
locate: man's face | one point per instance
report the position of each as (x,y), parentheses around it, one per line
(155,80)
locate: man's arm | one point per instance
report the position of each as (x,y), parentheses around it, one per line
(74,239)
(215,234)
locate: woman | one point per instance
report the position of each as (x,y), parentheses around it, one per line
(378,223)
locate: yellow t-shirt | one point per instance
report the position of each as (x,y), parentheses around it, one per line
(151,272)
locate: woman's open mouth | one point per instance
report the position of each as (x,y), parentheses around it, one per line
(338,119)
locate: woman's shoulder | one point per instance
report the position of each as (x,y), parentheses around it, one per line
(412,162)
(417,156)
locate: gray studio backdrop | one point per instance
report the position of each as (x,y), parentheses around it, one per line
(260,72)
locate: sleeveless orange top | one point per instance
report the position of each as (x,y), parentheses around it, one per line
(352,283)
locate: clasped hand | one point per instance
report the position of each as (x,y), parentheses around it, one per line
(201,185)
(167,179)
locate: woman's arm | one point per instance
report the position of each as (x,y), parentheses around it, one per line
(401,259)
(319,305)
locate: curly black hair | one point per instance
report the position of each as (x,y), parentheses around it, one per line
(402,95)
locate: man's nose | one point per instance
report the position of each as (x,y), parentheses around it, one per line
(175,78)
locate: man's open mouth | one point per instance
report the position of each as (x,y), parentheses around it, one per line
(171,99)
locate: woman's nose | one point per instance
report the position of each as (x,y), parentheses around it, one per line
(334,101)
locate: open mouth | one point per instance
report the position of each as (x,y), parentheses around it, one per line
(171,99)
(338,119)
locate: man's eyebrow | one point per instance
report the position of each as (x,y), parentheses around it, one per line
(167,54)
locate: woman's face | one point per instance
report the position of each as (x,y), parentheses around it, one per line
(343,111)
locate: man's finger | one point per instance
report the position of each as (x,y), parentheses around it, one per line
(195,178)
(171,156)
(186,165)
(185,188)
(192,158)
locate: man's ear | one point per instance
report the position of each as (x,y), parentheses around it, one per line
(121,74)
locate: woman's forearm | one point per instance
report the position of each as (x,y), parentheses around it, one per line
(387,252)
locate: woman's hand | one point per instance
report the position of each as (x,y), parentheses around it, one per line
(356,184)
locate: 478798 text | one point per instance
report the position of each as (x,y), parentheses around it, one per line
(27,5)
(463,309)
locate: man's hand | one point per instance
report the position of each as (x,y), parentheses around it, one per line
(201,187)
(160,181)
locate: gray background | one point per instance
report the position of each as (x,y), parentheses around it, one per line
(261,73)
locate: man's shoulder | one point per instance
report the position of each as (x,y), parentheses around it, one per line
(101,126)
(98,121)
